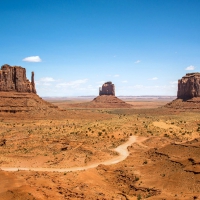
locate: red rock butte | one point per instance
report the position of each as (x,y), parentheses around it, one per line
(14,79)
(18,94)
(189,86)
(107,89)
(188,95)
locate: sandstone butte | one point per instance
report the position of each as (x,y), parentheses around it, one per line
(188,95)
(106,99)
(107,89)
(18,94)
(14,79)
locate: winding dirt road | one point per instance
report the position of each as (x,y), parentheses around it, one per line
(122,150)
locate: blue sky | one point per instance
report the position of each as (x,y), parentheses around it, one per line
(73,46)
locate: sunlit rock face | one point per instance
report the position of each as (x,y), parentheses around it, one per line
(14,79)
(107,89)
(189,86)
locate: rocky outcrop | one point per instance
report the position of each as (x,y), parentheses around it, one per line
(189,86)
(188,95)
(14,79)
(107,89)
(18,96)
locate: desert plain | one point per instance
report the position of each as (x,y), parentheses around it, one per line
(69,155)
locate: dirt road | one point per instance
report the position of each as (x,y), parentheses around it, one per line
(122,150)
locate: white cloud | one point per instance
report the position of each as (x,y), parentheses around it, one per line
(124,81)
(73,84)
(116,75)
(32,59)
(138,61)
(138,86)
(191,67)
(173,82)
(47,79)
(153,79)
(100,82)
(154,87)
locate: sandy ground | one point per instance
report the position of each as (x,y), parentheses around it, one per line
(121,150)
(162,163)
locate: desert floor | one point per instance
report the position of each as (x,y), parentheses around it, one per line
(162,162)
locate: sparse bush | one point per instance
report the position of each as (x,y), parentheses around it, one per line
(137,178)
(139,197)
(99,133)
(145,162)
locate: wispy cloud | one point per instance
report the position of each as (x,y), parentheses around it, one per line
(173,82)
(47,79)
(124,81)
(73,84)
(32,59)
(137,86)
(100,82)
(150,87)
(116,75)
(153,79)
(137,61)
(191,67)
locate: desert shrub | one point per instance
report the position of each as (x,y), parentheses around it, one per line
(139,197)
(99,133)
(145,162)
(137,178)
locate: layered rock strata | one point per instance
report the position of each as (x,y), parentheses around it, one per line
(189,86)
(188,95)
(107,89)
(18,94)
(14,79)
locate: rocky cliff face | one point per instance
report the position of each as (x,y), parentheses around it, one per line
(107,89)
(14,79)
(189,86)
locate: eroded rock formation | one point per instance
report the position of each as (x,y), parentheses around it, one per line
(18,95)
(107,89)
(189,86)
(14,79)
(188,95)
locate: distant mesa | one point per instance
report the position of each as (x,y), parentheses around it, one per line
(18,94)
(107,89)
(188,95)
(106,99)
